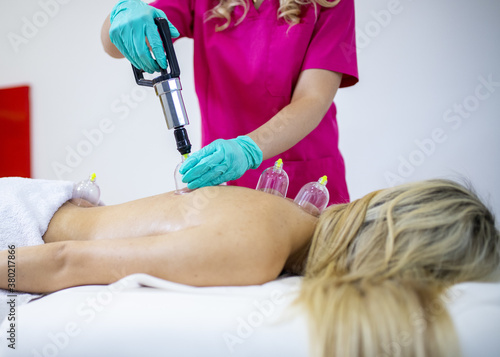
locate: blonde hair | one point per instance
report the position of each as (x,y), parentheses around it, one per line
(377,269)
(289,10)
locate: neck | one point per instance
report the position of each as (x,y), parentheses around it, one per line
(257,3)
(296,262)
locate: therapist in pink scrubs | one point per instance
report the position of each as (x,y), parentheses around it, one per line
(265,79)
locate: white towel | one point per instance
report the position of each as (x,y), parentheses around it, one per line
(26,208)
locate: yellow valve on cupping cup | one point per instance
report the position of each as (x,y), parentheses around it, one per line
(274,180)
(86,190)
(180,187)
(313,197)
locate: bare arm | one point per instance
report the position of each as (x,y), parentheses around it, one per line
(106,41)
(312,97)
(29,268)
(199,256)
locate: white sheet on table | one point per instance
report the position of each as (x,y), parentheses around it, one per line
(129,318)
(475,309)
(145,316)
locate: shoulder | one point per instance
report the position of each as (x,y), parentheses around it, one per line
(272,222)
(245,202)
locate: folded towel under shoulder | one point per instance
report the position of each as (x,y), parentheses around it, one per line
(26,208)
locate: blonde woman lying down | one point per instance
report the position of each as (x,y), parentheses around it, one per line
(367,265)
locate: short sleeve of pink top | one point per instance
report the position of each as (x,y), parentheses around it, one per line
(245,74)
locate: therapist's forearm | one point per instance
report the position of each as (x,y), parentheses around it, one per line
(301,116)
(109,47)
(288,127)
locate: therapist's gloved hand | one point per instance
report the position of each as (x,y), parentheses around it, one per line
(131,22)
(221,161)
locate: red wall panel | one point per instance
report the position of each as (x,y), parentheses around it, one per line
(15,132)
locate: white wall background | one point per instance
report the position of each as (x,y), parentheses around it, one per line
(421,109)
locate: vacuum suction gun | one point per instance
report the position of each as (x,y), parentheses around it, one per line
(168,87)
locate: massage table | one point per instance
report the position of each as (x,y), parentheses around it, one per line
(141,315)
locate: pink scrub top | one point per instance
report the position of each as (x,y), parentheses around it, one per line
(246,74)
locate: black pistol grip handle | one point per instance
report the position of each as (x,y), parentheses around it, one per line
(168,45)
(139,77)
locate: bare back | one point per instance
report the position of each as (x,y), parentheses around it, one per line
(240,235)
(226,206)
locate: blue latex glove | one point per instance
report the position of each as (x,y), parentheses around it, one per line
(221,161)
(131,22)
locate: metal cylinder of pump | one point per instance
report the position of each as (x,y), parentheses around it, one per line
(169,92)
(168,88)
